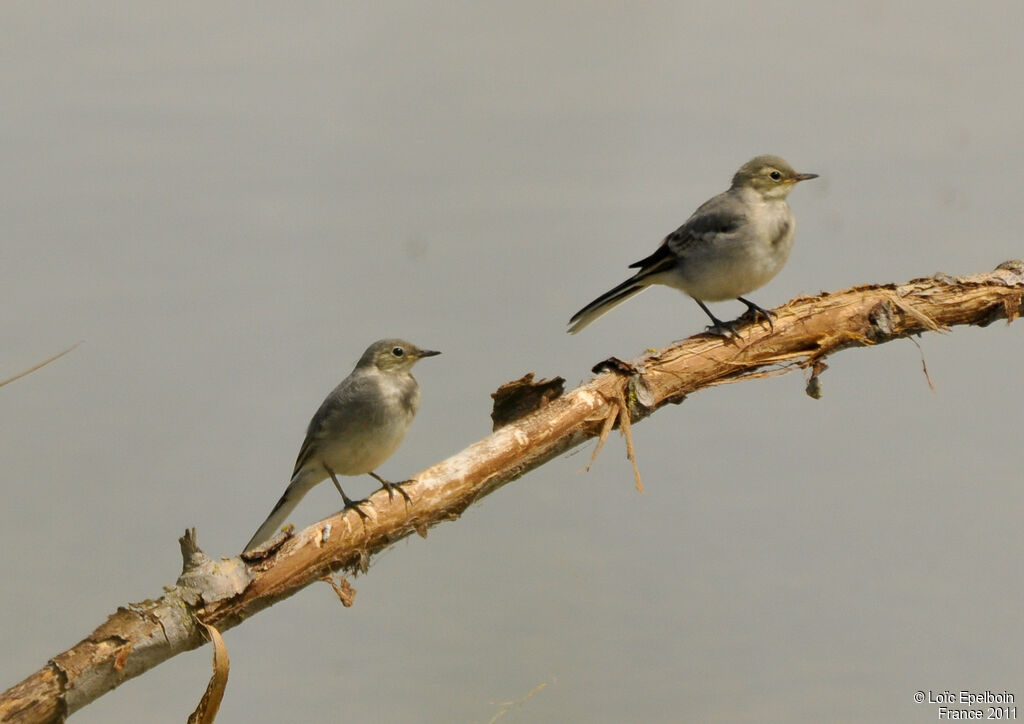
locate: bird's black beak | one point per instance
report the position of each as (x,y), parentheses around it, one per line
(805,176)
(428,353)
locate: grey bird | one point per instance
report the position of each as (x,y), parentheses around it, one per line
(733,244)
(358,426)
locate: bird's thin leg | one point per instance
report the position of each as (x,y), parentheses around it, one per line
(726,330)
(391,487)
(349,503)
(759,311)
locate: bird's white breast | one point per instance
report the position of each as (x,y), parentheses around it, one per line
(742,260)
(375,436)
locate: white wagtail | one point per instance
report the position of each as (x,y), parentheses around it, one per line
(734,243)
(358,426)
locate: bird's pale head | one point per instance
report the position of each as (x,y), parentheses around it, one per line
(393,355)
(769,175)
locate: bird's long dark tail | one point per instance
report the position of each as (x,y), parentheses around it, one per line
(301,484)
(611,298)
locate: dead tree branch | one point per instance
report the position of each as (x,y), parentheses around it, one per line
(226,592)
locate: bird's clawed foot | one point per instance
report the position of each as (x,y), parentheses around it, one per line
(758,312)
(354,505)
(718,328)
(349,503)
(725,330)
(392,487)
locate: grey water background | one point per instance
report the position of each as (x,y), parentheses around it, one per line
(228,201)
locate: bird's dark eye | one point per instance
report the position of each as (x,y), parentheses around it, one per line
(775,176)
(398,352)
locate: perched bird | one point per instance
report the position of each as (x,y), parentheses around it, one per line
(734,243)
(360,424)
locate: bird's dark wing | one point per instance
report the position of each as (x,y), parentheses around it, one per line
(304,452)
(716,217)
(662,258)
(706,225)
(348,404)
